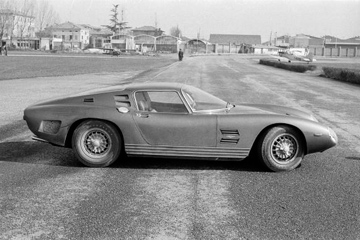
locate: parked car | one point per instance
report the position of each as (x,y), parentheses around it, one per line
(175,120)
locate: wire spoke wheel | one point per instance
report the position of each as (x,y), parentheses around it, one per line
(96,143)
(284,148)
(281,148)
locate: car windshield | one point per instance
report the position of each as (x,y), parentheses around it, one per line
(200,100)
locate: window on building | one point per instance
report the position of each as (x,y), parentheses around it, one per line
(63,37)
(76,38)
(70,37)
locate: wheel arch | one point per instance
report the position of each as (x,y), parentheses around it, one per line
(78,122)
(263,132)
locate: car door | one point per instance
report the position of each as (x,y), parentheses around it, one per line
(163,119)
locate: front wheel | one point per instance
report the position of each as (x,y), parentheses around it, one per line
(282,149)
(96,143)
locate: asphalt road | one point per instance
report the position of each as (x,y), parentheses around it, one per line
(46,194)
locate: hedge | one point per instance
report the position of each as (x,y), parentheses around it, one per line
(342,74)
(289,66)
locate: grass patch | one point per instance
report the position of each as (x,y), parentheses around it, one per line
(342,74)
(288,66)
(15,67)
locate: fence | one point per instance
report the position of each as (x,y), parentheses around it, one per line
(336,52)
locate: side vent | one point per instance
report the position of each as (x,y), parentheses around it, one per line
(89,100)
(229,136)
(122,101)
(229,141)
(229,132)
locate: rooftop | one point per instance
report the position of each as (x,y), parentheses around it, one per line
(234,38)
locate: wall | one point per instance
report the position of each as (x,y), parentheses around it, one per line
(336,52)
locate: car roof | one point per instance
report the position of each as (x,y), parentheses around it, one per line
(128,86)
(154,86)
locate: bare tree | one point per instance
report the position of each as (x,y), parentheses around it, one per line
(25,19)
(46,16)
(175,31)
(5,18)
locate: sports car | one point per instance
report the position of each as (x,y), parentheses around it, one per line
(175,120)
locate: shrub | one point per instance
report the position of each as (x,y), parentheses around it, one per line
(289,66)
(342,74)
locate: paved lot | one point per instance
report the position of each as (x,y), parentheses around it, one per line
(46,194)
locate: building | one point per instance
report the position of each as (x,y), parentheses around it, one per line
(233,43)
(122,42)
(334,46)
(145,39)
(99,36)
(199,46)
(166,43)
(73,36)
(147,30)
(305,41)
(18,29)
(281,41)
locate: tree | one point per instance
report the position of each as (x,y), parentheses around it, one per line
(176,32)
(5,18)
(116,26)
(46,16)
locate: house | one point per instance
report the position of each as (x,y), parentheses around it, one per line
(232,43)
(73,36)
(18,29)
(99,36)
(147,30)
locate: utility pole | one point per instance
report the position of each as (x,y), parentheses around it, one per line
(156,22)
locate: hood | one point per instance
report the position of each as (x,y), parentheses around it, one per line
(271,109)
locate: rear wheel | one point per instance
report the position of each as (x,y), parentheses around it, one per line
(282,149)
(96,143)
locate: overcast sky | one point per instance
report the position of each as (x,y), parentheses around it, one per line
(340,18)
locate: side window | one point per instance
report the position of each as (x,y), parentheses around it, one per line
(160,101)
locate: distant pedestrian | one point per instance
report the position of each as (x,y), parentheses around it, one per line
(5,50)
(181,55)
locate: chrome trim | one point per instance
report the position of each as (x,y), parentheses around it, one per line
(38,139)
(186,151)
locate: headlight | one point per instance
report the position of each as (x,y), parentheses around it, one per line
(50,126)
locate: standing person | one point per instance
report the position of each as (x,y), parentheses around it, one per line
(181,55)
(5,50)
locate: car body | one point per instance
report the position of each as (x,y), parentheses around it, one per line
(175,120)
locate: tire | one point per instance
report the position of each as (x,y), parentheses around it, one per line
(282,149)
(96,143)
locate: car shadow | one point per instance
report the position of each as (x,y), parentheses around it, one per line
(247,164)
(352,158)
(33,152)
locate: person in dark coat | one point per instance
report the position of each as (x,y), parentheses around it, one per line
(181,55)
(5,50)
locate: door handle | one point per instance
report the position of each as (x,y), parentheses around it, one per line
(142,115)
